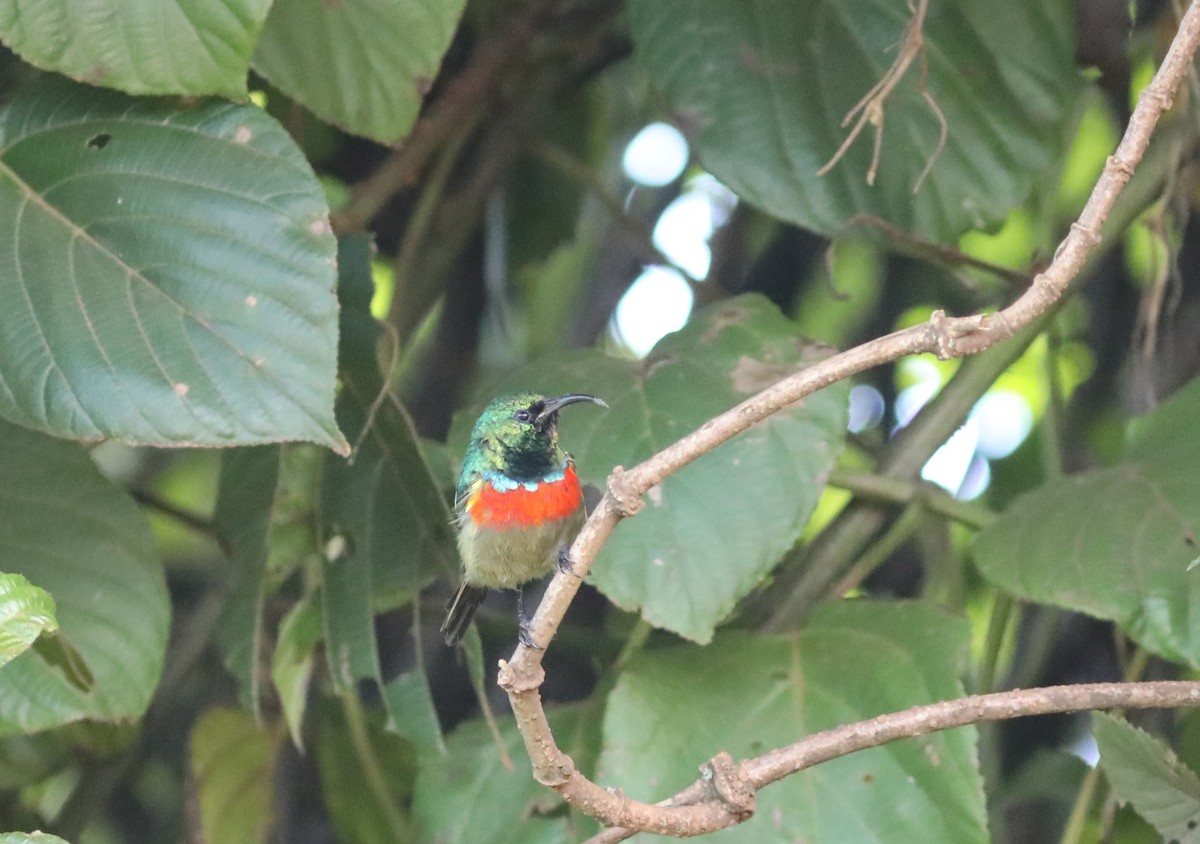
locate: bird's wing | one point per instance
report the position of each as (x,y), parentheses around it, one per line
(469,486)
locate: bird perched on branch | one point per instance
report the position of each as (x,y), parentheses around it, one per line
(518,504)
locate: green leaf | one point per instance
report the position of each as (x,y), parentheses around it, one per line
(356,815)
(170,273)
(363,65)
(245,502)
(1115,543)
(25,613)
(73,534)
(233,765)
(139,46)
(1143,771)
(411,712)
(292,665)
(467,796)
(30,838)
(351,649)
(265,516)
(675,708)
(761,88)
(703,540)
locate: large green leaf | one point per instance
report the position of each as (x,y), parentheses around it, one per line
(25,613)
(363,65)
(1143,771)
(675,708)
(169,273)
(233,763)
(1116,543)
(761,88)
(712,531)
(139,46)
(72,533)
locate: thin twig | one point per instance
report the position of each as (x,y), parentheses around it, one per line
(944,336)
(936,252)
(870,109)
(190,520)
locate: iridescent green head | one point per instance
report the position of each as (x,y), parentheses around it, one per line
(518,435)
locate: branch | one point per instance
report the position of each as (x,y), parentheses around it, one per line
(491,65)
(944,336)
(752,774)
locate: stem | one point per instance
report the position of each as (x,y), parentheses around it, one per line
(902,491)
(899,533)
(1052,420)
(1073,833)
(188,519)
(633,645)
(1002,611)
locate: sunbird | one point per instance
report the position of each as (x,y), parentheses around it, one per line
(517,505)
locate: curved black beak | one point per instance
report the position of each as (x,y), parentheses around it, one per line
(554,405)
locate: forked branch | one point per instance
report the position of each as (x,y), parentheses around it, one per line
(707,795)
(943,336)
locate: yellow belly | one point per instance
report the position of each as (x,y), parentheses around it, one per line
(504,559)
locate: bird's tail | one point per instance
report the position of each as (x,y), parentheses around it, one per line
(460,612)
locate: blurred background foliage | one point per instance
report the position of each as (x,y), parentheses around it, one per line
(619,198)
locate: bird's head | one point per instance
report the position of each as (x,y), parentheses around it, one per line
(521,431)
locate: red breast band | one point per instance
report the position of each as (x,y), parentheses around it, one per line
(523,507)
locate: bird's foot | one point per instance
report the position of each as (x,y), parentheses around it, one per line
(565,565)
(525,636)
(523,622)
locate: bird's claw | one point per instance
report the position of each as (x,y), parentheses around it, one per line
(523,622)
(565,565)
(525,636)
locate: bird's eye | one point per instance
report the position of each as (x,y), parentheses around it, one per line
(523,416)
